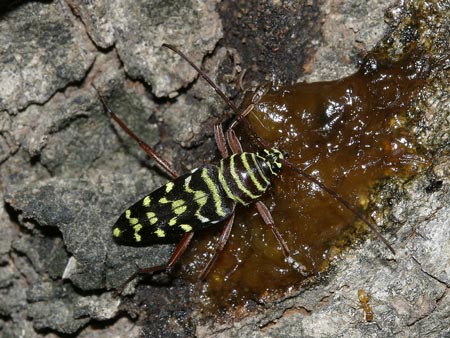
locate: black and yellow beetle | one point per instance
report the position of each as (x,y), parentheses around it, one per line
(199,199)
(208,195)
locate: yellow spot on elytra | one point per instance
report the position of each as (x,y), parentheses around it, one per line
(173,221)
(146,201)
(180,210)
(137,237)
(132,220)
(186,227)
(169,186)
(177,203)
(117,232)
(150,214)
(160,233)
(151,217)
(163,200)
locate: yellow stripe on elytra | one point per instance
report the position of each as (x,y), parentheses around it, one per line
(250,172)
(200,198)
(225,186)
(132,220)
(215,193)
(236,178)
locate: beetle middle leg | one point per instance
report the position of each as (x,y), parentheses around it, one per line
(230,139)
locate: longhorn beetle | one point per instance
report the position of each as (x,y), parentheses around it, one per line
(208,195)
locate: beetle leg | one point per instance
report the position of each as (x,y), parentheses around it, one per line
(223,239)
(177,253)
(220,140)
(149,150)
(233,142)
(179,250)
(267,218)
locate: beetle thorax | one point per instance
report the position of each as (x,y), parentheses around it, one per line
(270,161)
(245,177)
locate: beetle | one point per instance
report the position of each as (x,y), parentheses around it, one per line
(208,195)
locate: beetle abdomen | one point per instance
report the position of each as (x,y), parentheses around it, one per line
(197,200)
(189,203)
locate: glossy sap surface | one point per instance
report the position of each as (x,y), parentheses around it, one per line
(350,134)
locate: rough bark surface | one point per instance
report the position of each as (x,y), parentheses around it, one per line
(66,170)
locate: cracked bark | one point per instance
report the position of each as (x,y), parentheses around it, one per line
(65,173)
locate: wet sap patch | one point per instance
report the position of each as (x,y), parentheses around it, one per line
(350,134)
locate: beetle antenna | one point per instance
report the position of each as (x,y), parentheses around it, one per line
(205,77)
(340,199)
(240,117)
